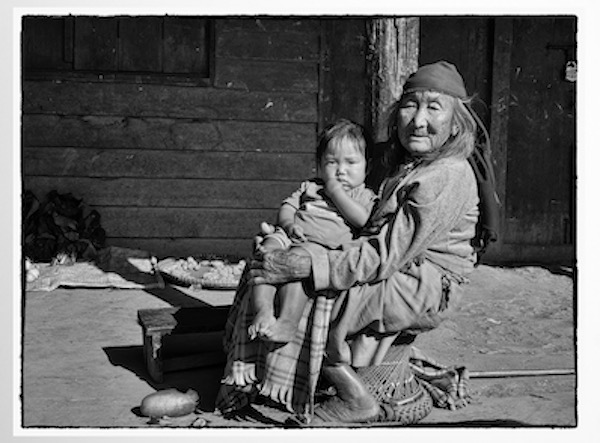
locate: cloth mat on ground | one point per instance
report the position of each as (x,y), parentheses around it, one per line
(114,267)
(447,385)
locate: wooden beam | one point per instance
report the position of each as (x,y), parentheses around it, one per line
(173,192)
(266,75)
(164,133)
(521,373)
(392,55)
(500,103)
(205,247)
(141,163)
(325,78)
(342,71)
(183,223)
(150,100)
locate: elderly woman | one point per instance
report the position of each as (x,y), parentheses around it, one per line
(398,276)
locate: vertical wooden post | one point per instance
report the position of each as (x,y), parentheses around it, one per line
(500,103)
(392,55)
(69,25)
(325,78)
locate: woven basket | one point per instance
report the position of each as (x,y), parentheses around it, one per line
(403,399)
(173,273)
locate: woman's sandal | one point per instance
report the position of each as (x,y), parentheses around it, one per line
(335,411)
(407,412)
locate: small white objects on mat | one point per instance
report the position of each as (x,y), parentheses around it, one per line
(208,274)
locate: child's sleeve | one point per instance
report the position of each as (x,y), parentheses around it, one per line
(295,199)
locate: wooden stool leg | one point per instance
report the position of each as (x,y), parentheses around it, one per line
(152,345)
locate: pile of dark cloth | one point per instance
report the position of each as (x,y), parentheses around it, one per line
(60,229)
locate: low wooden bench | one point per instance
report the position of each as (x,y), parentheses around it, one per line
(182,338)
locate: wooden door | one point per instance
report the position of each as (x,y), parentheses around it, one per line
(541,133)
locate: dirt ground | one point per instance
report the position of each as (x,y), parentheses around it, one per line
(83,368)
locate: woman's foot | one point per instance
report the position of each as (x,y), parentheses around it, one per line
(335,410)
(281,331)
(261,325)
(352,404)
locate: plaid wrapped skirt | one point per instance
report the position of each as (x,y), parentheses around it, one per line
(408,301)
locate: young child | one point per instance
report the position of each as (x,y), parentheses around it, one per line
(325,212)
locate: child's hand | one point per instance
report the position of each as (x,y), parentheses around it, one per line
(262,245)
(266,228)
(260,249)
(295,233)
(333,186)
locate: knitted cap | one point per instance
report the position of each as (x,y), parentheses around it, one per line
(440,76)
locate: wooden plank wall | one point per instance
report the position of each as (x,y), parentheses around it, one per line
(467,43)
(343,70)
(184,170)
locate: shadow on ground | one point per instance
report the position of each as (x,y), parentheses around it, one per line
(205,381)
(477,424)
(175,297)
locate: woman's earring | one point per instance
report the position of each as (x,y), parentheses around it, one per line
(454,130)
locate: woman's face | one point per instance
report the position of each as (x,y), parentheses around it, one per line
(343,161)
(425,121)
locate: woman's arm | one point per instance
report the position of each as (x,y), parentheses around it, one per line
(435,201)
(279,266)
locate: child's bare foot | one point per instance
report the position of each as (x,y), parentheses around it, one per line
(261,325)
(282,331)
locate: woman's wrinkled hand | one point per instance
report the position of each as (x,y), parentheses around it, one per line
(279,266)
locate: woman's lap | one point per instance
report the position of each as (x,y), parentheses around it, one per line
(406,300)
(396,304)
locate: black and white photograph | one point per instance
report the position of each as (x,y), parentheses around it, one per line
(182,172)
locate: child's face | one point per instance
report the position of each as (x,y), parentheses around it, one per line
(344,162)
